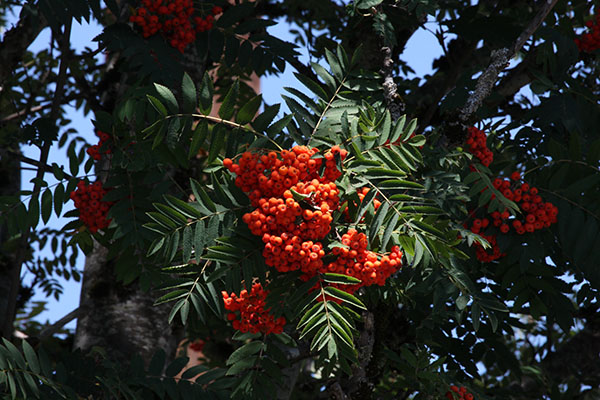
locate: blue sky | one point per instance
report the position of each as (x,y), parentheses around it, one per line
(420,52)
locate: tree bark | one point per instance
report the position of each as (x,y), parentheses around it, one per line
(121,319)
(10,184)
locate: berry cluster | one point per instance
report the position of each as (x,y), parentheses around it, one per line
(361,196)
(590,41)
(94,150)
(456,393)
(248,311)
(266,176)
(294,196)
(174,19)
(293,203)
(477,145)
(537,215)
(355,260)
(92,210)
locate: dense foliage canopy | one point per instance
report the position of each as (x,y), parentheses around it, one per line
(393,236)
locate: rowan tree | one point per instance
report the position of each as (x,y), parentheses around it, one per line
(393,236)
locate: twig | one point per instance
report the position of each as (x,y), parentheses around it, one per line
(499,61)
(25,111)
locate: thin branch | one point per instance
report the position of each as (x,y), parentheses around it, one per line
(499,61)
(38,164)
(25,111)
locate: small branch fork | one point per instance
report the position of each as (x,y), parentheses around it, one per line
(499,61)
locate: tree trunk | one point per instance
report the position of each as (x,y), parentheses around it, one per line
(121,319)
(10,282)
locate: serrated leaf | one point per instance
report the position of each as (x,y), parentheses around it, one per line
(227,109)
(187,243)
(245,351)
(31,357)
(201,196)
(59,198)
(261,122)
(346,297)
(249,110)
(46,205)
(340,279)
(158,106)
(176,366)
(206,94)
(188,89)
(168,97)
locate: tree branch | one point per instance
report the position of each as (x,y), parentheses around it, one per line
(55,327)
(16,41)
(390,89)
(38,164)
(21,252)
(499,61)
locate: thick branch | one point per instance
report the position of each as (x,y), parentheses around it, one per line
(390,89)
(499,61)
(55,327)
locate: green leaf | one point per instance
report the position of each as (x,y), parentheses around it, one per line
(389,229)
(398,129)
(198,138)
(462,301)
(168,97)
(378,220)
(31,357)
(193,371)
(59,198)
(176,308)
(33,211)
(162,110)
(201,195)
(245,351)
(340,279)
(176,294)
(184,312)
(366,4)
(188,89)
(183,207)
(334,63)
(278,126)
(249,110)
(428,210)
(313,87)
(226,109)
(410,129)
(187,243)
(347,297)
(261,122)
(206,94)
(176,366)
(46,205)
